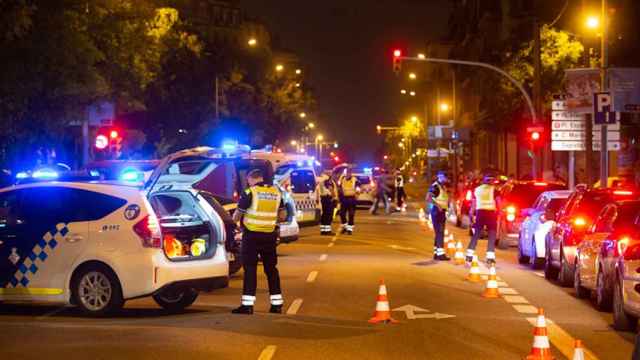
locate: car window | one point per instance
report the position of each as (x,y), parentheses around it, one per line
(524,195)
(555,204)
(364,180)
(192,167)
(627,215)
(175,207)
(302,181)
(591,204)
(10,209)
(95,205)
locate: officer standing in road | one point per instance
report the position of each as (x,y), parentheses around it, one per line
(438,200)
(400,194)
(486,215)
(328,192)
(259,209)
(348,189)
(382,189)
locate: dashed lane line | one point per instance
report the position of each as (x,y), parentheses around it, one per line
(331,244)
(294,307)
(507,291)
(323,257)
(502,284)
(538,274)
(312,276)
(562,340)
(268,352)
(526,309)
(515,299)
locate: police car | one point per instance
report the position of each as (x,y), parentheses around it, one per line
(96,245)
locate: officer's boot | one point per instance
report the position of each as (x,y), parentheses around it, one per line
(243,309)
(276,309)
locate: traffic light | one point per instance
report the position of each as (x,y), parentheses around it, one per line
(397,62)
(108,143)
(101,142)
(535,135)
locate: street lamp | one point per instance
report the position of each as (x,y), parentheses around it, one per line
(294,143)
(311,125)
(279,68)
(298,71)
(413,76)
(593,22)
(252,42)
(320,137)
(413,93)
(444,107)
(414,119)
(303,115)
(403,92)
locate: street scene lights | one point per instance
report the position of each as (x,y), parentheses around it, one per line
(252,42)
(279,68)
(311,125)
(412,93)
(403,92)
(593,22)
(298,71)
(414,119)
(445,107)
(302,115)
(413,76)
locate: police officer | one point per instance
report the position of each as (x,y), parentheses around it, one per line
(328,192)
(348,189)
(382,189)
(486,215)
(400,194)
(259,209)
(438,200)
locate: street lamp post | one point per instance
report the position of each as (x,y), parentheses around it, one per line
(604,64)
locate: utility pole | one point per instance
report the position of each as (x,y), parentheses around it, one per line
(604,64)
(537,94)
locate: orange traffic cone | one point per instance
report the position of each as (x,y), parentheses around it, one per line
(451,249)
(541,350)
(474,271)
(458,258)
(491,290)
(383,311)
(578,353)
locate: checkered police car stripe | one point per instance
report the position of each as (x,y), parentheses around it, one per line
(38,255)
(302,205)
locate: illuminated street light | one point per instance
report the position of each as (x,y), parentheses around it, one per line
(320,137)
(422,56)
(297,85)
(311,125)
(294,143)
(401,145)
(414,119)
(253,42)
(403,92)
(303,115)
(444,107)
(413,76)
(593,22)
(279,68)
(298,71)
(413,93)
(386,157)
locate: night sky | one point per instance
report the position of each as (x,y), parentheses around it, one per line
(345,48)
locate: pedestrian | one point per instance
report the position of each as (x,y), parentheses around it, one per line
(348,190)
(484,205)
(382,189)
(259,209)
(400,194)
(328,192)
(438,200)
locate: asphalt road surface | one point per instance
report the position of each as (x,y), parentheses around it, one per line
(330,286)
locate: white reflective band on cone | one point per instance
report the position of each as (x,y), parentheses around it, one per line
(382,306)
(383,290)
(541,321)
(540,342)
(492,284)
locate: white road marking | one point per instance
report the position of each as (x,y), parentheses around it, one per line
(562,340)
(333,239)
(323,257)
(331,244)
(502,284)
(526,309)
(410,312)
(507,291)
(515,299)
(398,247)
(538,274)
(267,353)
(294,307)
(312,276)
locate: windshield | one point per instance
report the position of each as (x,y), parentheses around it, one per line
(303,181)
(525,195)
(555,204)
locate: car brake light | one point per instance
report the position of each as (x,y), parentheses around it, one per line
(540,183)
(148,230)
(622,192)
(623,245)
(579,222)
(469,195)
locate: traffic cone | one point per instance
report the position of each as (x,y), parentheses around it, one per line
(383,310)
(541,350)
(446,232)
(578,353)
(451,249)
(421,215)
(491,289)
(474,271)
(459,256)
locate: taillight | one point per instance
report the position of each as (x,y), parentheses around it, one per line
(148,230)
(469,195)
(511,213)
(623,192)
(236,197)
(540,183)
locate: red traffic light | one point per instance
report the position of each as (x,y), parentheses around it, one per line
(113,134)
(337,158)
(397,53)
(101,142)
(535,136)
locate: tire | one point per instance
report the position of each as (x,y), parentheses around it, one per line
(604,297)
(522,259)
(581,291)
(96,291)
(565,277)
(550,273)
(536,262)
(175,299)
(622,321)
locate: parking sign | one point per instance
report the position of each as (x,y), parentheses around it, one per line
(602,109)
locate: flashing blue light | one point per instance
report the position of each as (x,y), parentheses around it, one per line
(94,173)
(22,175)
(299,163)
(310,163)
(318,163)
(229,146)
(368,171)
(45,174)
(130,175)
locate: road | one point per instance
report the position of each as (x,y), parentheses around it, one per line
(330,287)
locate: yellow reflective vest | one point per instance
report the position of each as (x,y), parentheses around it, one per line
(262,215)
(348,186)
(442,200)
(485,197)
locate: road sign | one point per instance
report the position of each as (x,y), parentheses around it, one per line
(567,130)
(579,135)
(101,114)
(569,145)
(602,109)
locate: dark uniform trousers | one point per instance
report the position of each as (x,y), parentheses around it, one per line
(348,208)
(263,245)
(488,219)
(438,218)
(328,205)
(400,195)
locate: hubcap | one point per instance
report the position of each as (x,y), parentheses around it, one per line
(172,296)
(95,291)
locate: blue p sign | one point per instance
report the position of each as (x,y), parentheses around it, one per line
(602,107)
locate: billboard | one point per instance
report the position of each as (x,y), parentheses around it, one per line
(624,84)
(580,85)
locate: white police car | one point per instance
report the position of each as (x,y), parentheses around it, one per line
(96,245)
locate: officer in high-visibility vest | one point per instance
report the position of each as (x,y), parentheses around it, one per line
(485,207)
(348,189)
(438,200)
(328,193)
(259,210)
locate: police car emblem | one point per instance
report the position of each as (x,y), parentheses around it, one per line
(14,257)
(131,212)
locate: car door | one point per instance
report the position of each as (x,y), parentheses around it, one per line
(590,246)
(12,228)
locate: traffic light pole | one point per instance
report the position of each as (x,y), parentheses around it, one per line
(604,146)
(532,111)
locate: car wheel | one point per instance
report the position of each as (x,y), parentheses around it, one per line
(176,299)
(501,239)
(565,277)
(550,272)
(522,259)
(603,296)
(621,319)
(536,262)
(581,291)
(95,289)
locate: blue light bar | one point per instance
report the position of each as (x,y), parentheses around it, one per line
(22,175)
(229,146)
(130,175)
(368,171)
(45,174)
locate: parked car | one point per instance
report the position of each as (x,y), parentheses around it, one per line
(463,203)
(594,273)
(96,245)
(366,189)
(539,220)
(514,196)
(574,219)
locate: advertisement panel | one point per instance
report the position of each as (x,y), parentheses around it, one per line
(624,85)
(580,85)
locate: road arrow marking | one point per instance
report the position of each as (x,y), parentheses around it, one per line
(398,247)
(411,310)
